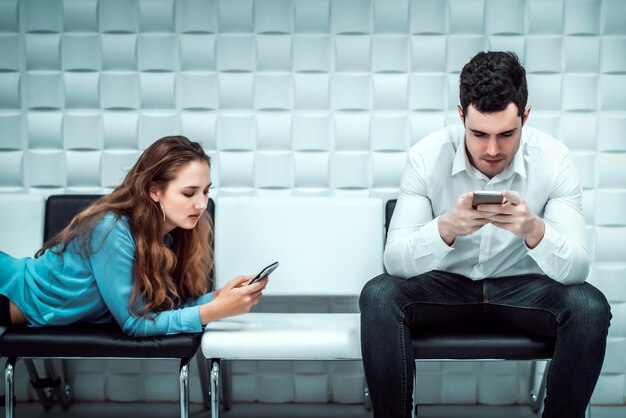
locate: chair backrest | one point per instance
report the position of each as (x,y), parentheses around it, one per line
(390,206)
(60,209)
(21,224)
(325,246)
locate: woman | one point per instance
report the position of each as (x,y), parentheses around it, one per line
(140,256)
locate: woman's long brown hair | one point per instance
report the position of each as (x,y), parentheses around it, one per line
(162,276)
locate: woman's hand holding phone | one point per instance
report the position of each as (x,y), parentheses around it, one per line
(265,272)
(235,298)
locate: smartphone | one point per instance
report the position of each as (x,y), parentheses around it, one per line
(482,197)
(265,272)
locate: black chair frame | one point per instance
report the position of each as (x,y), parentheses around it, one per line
(93,341)
(488,342)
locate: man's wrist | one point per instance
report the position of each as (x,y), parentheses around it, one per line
(534,237)
(447,236)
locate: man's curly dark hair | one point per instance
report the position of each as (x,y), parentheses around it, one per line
(492,80)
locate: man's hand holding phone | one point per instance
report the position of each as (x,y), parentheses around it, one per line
(487,197)
(515,216)
(461,219)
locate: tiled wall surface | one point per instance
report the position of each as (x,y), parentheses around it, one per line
(308,97)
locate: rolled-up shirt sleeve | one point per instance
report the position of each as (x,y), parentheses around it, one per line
(112,262)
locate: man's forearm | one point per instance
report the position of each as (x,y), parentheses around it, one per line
(533,237)
(445,231)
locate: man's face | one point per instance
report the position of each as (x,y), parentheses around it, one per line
(492,139)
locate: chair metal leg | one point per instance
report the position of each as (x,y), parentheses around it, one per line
(203,370)
(215,389)
(414,408)
(183,375)
(532,391)
(67,393)
(367,400)
(62,389)
(44,387)
(9,389)
(537,394)
(226,385)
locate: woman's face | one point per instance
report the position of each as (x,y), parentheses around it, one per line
(185,198)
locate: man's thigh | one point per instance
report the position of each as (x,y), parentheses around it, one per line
(439,298)
(535,302)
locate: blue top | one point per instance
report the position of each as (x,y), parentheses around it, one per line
(60,290)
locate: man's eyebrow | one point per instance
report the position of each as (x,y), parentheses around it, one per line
(510,131)
(476,131)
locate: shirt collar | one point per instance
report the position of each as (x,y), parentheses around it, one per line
(462,162)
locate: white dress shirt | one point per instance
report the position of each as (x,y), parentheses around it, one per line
(439,171)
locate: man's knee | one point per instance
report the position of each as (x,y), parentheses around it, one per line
(379,291)
(589,304)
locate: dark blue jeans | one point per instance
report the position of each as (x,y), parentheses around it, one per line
(577,315)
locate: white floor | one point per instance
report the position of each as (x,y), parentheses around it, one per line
(162,410)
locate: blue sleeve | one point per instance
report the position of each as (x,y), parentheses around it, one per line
(207,297)
(112,265)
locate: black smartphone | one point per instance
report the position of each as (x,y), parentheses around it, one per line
(482,197)
(265,272)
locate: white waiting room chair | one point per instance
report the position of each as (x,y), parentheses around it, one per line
(325,246)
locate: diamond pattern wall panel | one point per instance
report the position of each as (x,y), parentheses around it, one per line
(83,131)
(81,52)
(274,131)
(119,16)
(157,124)
(80,15)
(316,98)
(200,125)
(311,53)
(196,90)
(81,90)
(119,51)
(9,90)
(311,91)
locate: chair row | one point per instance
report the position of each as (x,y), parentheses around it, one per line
(326,247)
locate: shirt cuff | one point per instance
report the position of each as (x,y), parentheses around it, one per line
(548,247)
(430,240)
(190,319)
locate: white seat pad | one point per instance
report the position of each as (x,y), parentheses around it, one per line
(284,336)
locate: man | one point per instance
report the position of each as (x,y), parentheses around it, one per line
(523,262)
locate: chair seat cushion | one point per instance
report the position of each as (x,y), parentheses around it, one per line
(331,336)
(488,342)
(93,340)
(284,336)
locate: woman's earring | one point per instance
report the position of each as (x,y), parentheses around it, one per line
(162,210)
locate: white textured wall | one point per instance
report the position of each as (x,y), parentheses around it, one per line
(295,97)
